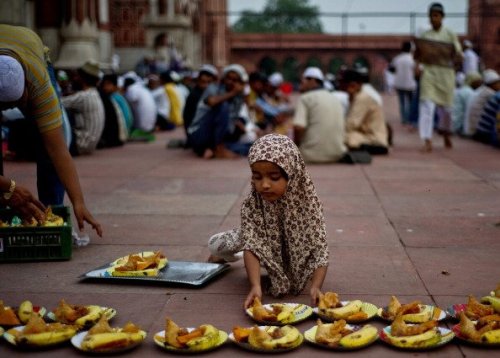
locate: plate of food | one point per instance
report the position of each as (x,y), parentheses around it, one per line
(16,316)
(341,336)
(484,332)
(413,312)
(474,309)
(330,309)
(102,338)
(267,339)
(82,316)
(142,264)
(278,313)
(38,334)
(190,340)
(420,336)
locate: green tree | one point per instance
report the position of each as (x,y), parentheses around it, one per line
(281,16)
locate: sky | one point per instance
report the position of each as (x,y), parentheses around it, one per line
(332,22)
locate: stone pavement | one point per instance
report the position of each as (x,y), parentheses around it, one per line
(419,226)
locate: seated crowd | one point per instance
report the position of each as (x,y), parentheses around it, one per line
(222,113)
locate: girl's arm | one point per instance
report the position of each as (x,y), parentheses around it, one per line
(252,265)
(316,283)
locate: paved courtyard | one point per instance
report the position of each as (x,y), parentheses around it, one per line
(419,226)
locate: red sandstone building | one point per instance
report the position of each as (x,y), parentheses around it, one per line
(77,30)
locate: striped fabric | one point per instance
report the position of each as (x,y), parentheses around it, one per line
(488,123)
(88,110)
(26,47)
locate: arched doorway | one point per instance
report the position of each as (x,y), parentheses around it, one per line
(361,62)
(291,69)
(314,62)
(335,65)
(267,65)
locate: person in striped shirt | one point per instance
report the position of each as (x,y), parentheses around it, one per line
(25,83)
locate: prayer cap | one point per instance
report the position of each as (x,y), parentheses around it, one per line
(209,69)
(490,76)
(239,69)
(11,79)
(436,7)
(314,72)
(276,79)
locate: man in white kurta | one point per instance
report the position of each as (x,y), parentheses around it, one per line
(437,82)
(318,121)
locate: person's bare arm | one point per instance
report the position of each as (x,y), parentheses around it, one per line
(66,170)
(21,200)
(316,283)
(217,99)
(298,134)
(252,266)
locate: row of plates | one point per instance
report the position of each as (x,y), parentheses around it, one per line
(309,335)
(302,312)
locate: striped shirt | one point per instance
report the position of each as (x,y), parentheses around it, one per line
(489,122)
(26,47)
(88,110)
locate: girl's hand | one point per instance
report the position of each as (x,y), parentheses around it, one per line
(256,291)
(315,292)
(82,214)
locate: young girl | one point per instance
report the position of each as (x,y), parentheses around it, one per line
(282,224)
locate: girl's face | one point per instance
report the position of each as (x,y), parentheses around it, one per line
(268,180)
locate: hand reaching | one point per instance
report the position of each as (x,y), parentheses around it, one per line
(26,204)
(82,214)
(254,292)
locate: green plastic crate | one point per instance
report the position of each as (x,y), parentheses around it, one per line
(36,243)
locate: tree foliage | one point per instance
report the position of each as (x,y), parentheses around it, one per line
(281,16)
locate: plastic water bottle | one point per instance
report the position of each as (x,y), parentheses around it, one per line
(79,241)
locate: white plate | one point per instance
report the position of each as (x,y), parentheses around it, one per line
(12,340)
(456,330)
(446,336)
(159,339)
(442,314)
(108,312)
(310,336)
(77,340)
(301,312)
(369,308)
(249,347)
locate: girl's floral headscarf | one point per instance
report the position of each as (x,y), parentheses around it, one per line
(288,235)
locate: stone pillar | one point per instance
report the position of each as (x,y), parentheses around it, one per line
(484,31)
(153,9)
(170,9)
(105,39)
(214,32)
(80,35)
(13,12)
(48,20)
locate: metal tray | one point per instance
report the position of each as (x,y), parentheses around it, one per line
(175,273)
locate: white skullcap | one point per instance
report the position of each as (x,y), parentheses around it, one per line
(490,76)
(239,69)
(460,78)
(175,76)
(314,72)
(209,69)
(276,79)
(467,43)
(11,79)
